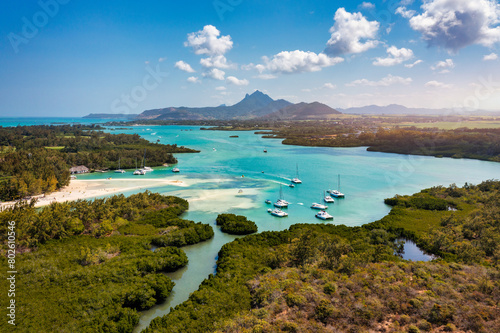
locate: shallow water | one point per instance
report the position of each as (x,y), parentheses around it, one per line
(215,177)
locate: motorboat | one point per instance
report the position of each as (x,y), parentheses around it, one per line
(324,215)
(328,199)
(277,212)
(268,201)
(318,206)
(176,170)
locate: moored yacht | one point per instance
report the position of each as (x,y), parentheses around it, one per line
(176,170)
(324,215)
(277,212)
(328,199)
(281,203)
(296,180)
(119,170)
(318,206)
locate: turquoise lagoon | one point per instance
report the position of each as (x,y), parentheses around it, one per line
(235,175)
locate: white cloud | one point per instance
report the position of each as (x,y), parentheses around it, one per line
(414,64)
(183,66)
(220,88)
(216,61)
(384,82)
(454,24)
(329,85)
(236,81)
(351,33)
(492,56)
(444,66)
(367,5)
(207,41)
(406,13)
(265,76)
(395,57)
(215,74)
(297,62)
(437,84)
(193,79)
(162,59)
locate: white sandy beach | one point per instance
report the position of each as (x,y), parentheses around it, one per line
(85,189)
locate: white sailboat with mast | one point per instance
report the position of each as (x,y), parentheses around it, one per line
(119,170)
(336,193)
(297,180)
(281,203)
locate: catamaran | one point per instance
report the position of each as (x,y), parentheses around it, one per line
(138,171)
(281,203)
(277,212)
(296,180)
(318,206)
(144,167)
(337,193)
(119,170)
(324,215)
(328,199)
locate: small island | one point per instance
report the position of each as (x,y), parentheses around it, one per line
(236,224)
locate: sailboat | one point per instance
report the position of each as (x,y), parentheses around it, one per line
(144,167)
(119,170)
(337,193)
(138,171)
(296,180)
(281,203)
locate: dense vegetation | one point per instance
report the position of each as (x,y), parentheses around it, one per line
(326,278)
(36,159)
(89,266)
(236,224)
(375,133)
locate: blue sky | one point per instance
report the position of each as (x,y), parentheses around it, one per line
(71,58)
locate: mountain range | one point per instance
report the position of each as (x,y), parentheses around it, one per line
(260,106)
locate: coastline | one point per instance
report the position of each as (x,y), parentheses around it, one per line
(91,188)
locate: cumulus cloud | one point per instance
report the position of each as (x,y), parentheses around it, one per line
(437,84)
(297,62)
(207,41)
(215,74)
(491,56)
(367,5)
(162,59)
(389,80)
(220,88)
(183,66)
(193,79)
(444,66)
(215,62)
(351,33)
(236,81)
(414,64)
(454,24)
(406,13)
(329,85)
(395,57)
